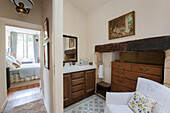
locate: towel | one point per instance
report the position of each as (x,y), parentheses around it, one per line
(101,71)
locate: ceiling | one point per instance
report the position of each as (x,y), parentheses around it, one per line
(87,6)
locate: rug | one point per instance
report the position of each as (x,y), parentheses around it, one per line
(92,104)
(32,107)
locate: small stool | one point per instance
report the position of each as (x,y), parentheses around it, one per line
(103,87)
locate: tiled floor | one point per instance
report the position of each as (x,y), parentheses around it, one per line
(92,104)
(22,97)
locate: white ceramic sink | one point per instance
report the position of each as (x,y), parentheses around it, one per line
(69,69)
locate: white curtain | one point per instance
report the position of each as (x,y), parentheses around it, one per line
(35,43)
(14,43)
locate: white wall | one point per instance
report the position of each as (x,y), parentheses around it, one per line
(57,40)
(47,82)
(3,91)
(7,10)
(75,24)
(107,58)
(152,19)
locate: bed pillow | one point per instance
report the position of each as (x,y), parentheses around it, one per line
(139,103)
(16,64)
(7,63)
(13,59)
(11,66)
(9,59)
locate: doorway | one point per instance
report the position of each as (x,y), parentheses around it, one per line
(22,66)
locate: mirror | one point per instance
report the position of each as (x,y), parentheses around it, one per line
(70,48)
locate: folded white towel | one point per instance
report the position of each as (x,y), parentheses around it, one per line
(101,71)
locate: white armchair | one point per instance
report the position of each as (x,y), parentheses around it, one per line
(118,102)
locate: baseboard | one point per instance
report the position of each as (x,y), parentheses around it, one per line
(42,93)
(44,100)
(167,85)
(4,105)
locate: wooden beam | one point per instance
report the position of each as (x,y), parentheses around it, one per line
(161,43)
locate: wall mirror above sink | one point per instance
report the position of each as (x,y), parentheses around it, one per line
(70,48)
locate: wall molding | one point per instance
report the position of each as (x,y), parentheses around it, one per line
(4,105)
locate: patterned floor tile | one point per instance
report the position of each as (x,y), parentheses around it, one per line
(92,104)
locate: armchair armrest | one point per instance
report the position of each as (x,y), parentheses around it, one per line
(118,98)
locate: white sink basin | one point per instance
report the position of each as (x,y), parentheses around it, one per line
(69,69)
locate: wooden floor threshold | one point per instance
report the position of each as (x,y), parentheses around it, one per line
(24,87)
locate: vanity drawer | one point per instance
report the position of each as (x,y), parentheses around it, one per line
(78,88)
(154,70)
(124,82)
(120,65)
(77,81)
(78,75)
(124,74)
(78,94)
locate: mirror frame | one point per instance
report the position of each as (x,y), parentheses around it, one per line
(67,36)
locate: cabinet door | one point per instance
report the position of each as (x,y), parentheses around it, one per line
(67,88)
(90,81)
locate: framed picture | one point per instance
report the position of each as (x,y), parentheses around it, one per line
(46,29)
(122,26)
(47,55)
(71,43)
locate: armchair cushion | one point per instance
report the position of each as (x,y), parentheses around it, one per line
(111,108)
(139,103)
(118,98)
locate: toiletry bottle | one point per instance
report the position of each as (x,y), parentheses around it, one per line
(81,63)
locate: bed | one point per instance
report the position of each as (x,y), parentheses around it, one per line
(26,72)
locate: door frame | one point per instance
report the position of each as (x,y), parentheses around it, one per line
(21,24)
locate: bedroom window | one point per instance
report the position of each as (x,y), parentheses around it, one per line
(25,47)
(23,44)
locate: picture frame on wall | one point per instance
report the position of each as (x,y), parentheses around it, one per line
(122,26)
(47,55)
(46,29)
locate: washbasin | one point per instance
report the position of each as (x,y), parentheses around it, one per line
(75,68)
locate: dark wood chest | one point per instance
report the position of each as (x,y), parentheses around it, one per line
(103,87)
(124,75)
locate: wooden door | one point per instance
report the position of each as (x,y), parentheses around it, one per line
(90,81)
(67,88)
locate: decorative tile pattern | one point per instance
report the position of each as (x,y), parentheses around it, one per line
(92,104)
(15,78)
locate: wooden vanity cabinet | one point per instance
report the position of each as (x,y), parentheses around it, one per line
(67,88)
(90,81)
(78,85)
